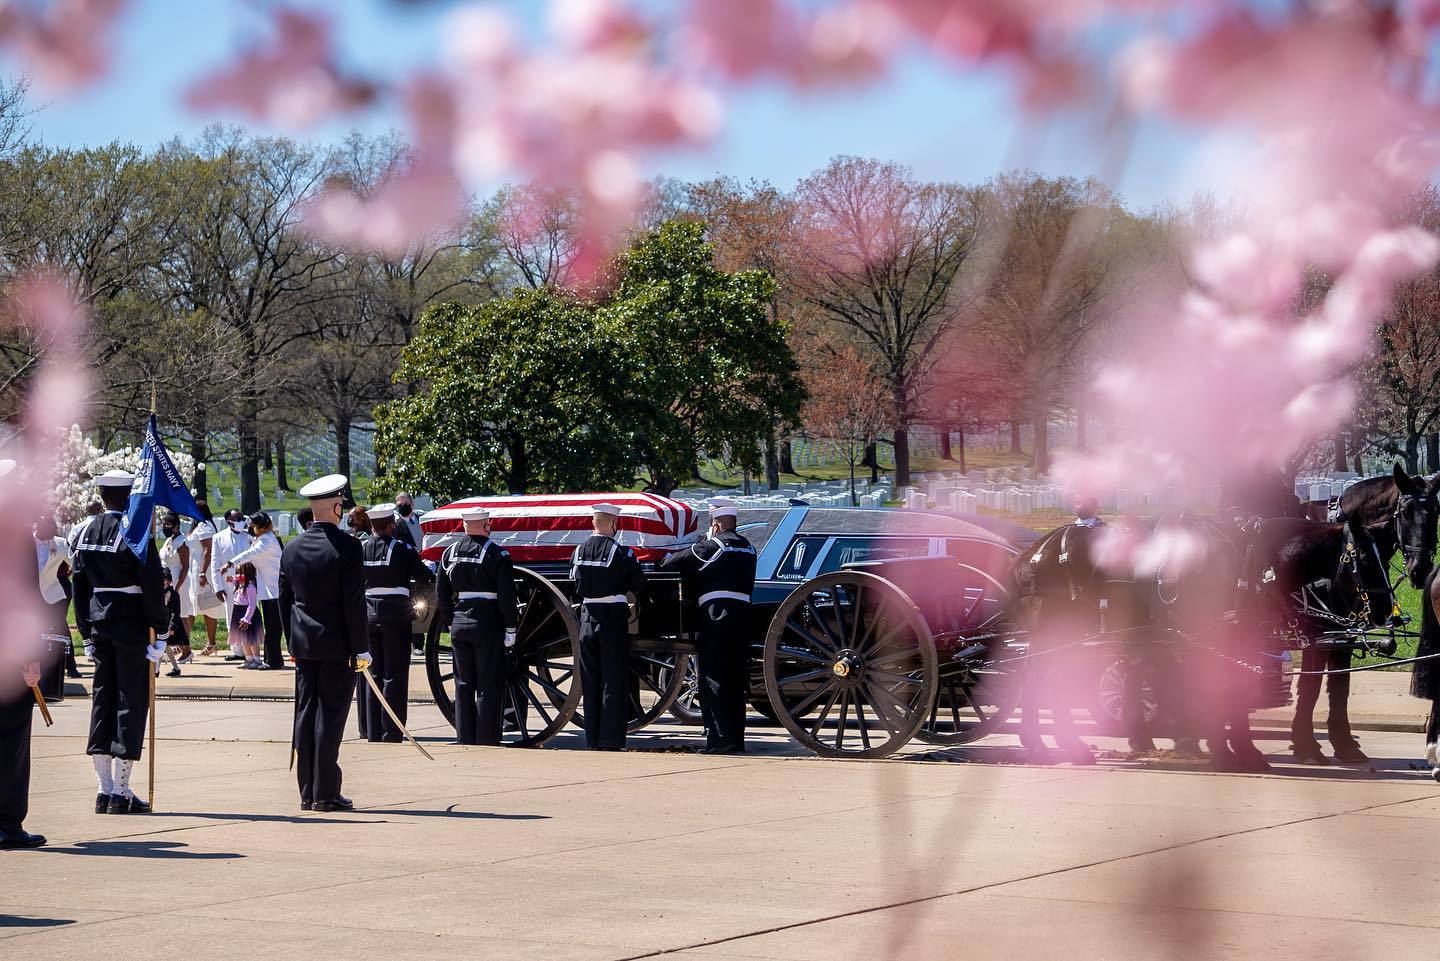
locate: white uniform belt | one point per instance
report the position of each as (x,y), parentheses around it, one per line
(132,589)
(608,599)
(723,596)
(477,596)
(387,592)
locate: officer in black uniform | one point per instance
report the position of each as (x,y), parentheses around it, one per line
(322,603)
(119,598)
(476,597)
(722,567)
(16,707)
(391,565)
(604,572)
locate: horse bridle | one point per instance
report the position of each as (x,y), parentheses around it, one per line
(1351,555)
(1406,551)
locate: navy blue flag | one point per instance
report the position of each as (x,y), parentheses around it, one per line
(157,484)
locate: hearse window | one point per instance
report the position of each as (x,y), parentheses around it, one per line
(799,558)
(853,550)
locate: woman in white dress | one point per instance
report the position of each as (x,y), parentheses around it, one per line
(175,555)
(204,603)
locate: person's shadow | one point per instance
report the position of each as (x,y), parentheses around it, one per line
(166,850)
(276,818)
(15,921)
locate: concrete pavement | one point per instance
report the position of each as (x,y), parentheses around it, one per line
(565,854)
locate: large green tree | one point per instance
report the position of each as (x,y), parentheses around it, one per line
(707,365)
(512,396)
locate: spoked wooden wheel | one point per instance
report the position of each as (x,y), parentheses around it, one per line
(541,688)
(973,699)
(854,644)
(686,708)
(654,686)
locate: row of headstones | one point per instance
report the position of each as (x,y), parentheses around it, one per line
(1324,487)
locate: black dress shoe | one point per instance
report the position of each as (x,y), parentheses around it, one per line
(305,805)
(334,804)
(102,804)
(20,839)
(120,804)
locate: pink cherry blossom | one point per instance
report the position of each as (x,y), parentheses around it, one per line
(293,82)
(67,43)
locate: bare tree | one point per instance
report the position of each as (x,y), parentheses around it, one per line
(880,255)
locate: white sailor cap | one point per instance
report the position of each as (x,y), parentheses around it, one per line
(380,512)
(322,487)
(723,507)
(116,478)
(474,514)
(6,465)
(605,508)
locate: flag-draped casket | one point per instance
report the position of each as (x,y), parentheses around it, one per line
(543,528)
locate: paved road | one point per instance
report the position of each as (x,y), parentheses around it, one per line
(564,854)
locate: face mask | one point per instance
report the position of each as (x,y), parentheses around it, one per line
(237,526)
(404,509)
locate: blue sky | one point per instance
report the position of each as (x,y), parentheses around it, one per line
(944,122)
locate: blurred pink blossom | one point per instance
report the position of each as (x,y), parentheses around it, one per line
(43,306)
(293,82)
(67,42)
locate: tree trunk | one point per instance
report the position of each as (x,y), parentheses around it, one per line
(746,487)
(249,466)
(902,457)
(1412,452)
(1015,447)
(960,432)
(1356,444)
(772,462)
(1040,425)
(1432,453)
(945,442)
(854,501)
(282,482)
(1080,426)
(198,482)
(787,465)
(518,479)
(269,456)
(872,461)
(342,450)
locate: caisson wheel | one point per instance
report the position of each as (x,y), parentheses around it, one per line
(541,689)
(855,646)
(686,707)
(654,687)
(974,699)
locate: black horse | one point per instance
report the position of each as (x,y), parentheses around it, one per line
(1318,583)
(1399,512)
(1066,598)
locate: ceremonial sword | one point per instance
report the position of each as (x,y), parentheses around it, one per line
(369,679)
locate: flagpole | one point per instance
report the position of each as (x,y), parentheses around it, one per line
(155,667)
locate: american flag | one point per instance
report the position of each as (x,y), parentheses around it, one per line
(547,527)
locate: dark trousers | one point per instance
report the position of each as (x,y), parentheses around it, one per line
(479,683)
(605,674)
(724,673)
(322,699)
(1337,689)
(120,700)
(15,762)
(274,634)
(390,666)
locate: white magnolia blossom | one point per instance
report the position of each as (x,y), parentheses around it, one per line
(79,462)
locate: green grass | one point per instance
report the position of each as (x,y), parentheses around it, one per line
(222,480)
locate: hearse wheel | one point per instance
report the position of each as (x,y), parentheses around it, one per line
(857,646)
(541,689)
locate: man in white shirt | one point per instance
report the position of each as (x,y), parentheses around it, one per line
(231,540)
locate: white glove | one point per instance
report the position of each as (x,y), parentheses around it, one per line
(155,651)
(509,638)
(90,651)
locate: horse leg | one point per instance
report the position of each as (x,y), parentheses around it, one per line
(1302,727)
(1432,739)
(1242,742)
(1067,742)
(1337,722)
(1032,686)
(1132,703)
